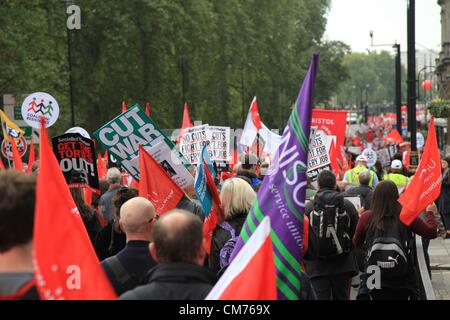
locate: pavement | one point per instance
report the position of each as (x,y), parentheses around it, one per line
(439,252)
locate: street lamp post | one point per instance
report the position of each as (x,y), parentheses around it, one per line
(398,80)
(67,3)
(414,160)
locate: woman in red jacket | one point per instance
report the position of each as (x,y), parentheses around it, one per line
(374,233)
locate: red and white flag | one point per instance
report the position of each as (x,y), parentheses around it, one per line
(252,125)
(251,275)
(156,185)
(124,107)
(425,186)
(186,122)
(65,264)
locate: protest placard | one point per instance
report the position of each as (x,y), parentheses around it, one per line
(167,159)
(37,105)
(7,148)
(371,156)
(77,157)
(192,142)
(123,135)
(384,157)
(219,143)
(318,156)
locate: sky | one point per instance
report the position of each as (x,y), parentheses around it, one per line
(351,21)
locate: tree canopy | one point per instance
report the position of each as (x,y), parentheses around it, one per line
(214,54)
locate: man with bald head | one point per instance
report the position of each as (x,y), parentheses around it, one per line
(127,269)
(178,247)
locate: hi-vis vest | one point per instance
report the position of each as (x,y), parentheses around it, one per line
(400,180)
(353,175)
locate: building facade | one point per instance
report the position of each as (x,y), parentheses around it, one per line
(443,62)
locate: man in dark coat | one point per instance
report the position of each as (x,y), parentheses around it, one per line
(363,191)
(126,269)
(331,276)
(178,248)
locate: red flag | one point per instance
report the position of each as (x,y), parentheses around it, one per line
(425,186)
(216,215)
(17,160)
(101,167)
(147,109)
(393,137)
(134,184)
(345,165)
(333,158)
(186,122)
(254,111)
(31,157)
(124,107)
(156,185)
(66,266)
(251,275)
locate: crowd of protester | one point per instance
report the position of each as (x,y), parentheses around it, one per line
(150,257)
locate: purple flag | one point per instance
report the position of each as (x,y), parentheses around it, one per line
(282,194)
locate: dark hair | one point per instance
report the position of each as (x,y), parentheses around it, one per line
(385,207)
(122,195)
(178,242)
(84,209)
(447,158)
(18,192)
(326,179)
(397,156)
(246,179)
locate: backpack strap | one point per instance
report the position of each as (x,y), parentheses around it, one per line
(226,226)
(120,273)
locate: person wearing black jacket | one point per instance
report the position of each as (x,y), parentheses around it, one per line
(363,191)
(126,269)
(110,239)
(237,197)
(178,248)
(331,276)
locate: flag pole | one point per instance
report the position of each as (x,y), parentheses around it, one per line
(257,145)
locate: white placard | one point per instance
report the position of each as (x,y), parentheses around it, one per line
(37,105)
(192,142)
(420,140)
(219,143)
(169,161)
(371,156)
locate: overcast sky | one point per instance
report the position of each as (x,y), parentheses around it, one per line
(351,21)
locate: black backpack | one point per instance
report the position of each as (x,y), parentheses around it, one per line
(331,224)
(389,250)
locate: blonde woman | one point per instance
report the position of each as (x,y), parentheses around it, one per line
(237,198)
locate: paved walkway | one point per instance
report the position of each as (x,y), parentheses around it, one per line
(439,252)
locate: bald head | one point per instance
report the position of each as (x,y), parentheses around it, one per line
(178,237)
(136,215)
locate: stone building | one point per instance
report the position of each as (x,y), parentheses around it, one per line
(443,62)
